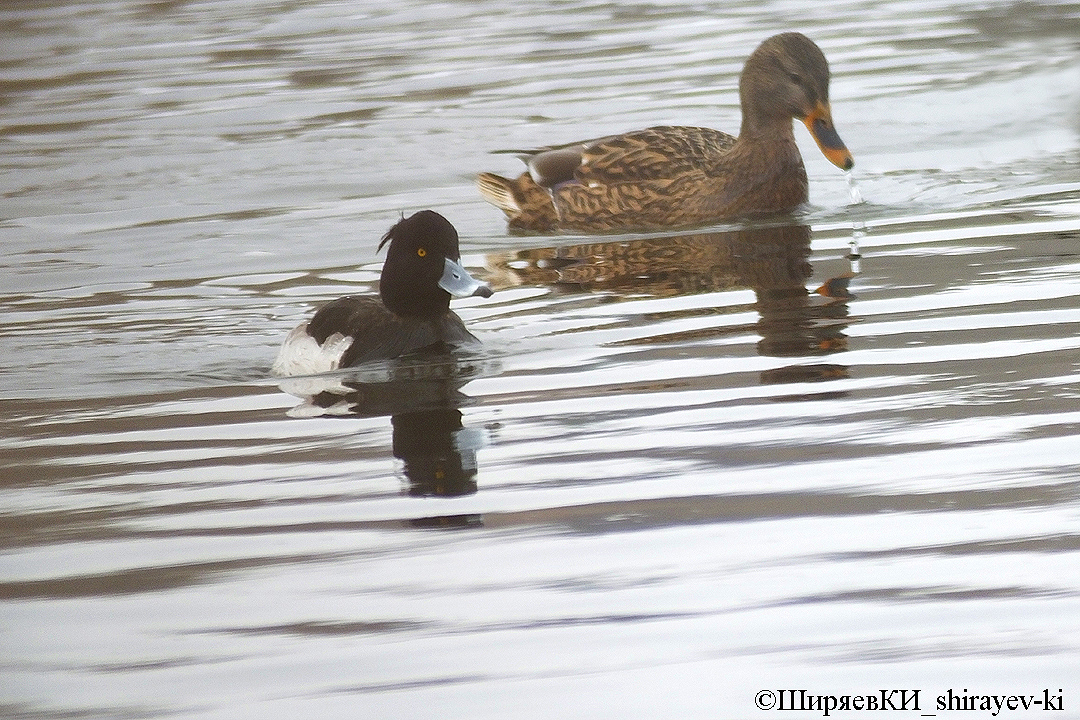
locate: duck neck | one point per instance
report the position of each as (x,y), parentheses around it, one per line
(764,172)
(769,140)
(405,300)
(757,127)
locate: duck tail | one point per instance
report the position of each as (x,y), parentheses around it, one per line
(499,191)
(527,205)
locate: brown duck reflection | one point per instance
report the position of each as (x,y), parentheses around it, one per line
(422,397)
(772,261)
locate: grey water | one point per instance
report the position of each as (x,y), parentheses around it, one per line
(838,453)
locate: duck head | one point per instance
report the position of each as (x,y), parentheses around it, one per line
(787,77)
(422,269)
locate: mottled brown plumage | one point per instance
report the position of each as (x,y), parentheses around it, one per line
(672,176)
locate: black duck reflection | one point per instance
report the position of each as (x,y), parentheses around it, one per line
(772,261)
(422,395)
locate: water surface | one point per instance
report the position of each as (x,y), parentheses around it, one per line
(675,475)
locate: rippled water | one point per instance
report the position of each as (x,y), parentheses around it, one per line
(676,474)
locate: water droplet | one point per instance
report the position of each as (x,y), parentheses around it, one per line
(858,227)
(853,188)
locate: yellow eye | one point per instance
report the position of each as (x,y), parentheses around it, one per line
(421,252)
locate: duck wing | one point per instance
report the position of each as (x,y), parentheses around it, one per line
(359,329)
(651,154)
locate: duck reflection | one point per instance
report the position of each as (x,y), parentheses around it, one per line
(772,261)
(422,396)
(439,455)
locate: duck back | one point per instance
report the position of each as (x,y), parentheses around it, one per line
(378,334)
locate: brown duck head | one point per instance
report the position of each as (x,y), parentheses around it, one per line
(787,77)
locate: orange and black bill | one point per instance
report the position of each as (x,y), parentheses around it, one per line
(819,123)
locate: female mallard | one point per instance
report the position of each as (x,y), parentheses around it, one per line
(412,312)
(674,176)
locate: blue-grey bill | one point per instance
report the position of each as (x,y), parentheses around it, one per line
(459,283)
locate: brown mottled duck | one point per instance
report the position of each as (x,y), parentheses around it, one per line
(676,176)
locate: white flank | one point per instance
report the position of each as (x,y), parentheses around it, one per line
(301,355)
